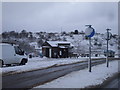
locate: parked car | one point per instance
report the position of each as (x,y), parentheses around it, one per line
(12,54)
(110,53)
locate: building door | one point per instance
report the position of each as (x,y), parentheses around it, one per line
(47,52)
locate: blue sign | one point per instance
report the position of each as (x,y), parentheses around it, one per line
(89,32)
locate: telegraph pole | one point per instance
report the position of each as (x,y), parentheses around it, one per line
(108,38)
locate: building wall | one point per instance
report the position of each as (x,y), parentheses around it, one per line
(56,52)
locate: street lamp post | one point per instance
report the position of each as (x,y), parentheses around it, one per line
(108,38)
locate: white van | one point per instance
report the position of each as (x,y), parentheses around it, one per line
(12,54)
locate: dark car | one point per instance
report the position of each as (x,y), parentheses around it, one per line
(110,53)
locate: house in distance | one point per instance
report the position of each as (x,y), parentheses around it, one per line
(57,49)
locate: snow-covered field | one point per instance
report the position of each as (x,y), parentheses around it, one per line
(39,63)
(83,78)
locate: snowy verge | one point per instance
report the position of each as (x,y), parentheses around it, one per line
(83,78)
(40,63)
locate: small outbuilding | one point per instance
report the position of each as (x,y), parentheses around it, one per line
(57,49)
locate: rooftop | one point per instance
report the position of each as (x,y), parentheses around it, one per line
(55,43)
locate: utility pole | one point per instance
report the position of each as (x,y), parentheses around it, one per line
(108,38)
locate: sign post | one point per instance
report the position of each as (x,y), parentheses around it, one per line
(89,32)
(108,34)
(89,63)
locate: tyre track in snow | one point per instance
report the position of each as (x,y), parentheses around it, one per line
(39,77)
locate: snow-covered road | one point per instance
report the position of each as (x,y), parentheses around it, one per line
(40,63)
(83,78)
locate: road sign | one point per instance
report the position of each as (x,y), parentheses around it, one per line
(89,32)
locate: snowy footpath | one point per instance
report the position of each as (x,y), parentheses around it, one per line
(83,78)
(40,63)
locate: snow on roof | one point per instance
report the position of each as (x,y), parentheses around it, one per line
(55,43)
(62,46)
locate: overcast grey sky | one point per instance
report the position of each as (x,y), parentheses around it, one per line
(52,16)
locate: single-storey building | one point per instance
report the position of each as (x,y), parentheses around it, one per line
(57,49)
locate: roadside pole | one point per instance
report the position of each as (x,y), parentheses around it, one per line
(89,55)
(107,61)
(108,38)
(89,32)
